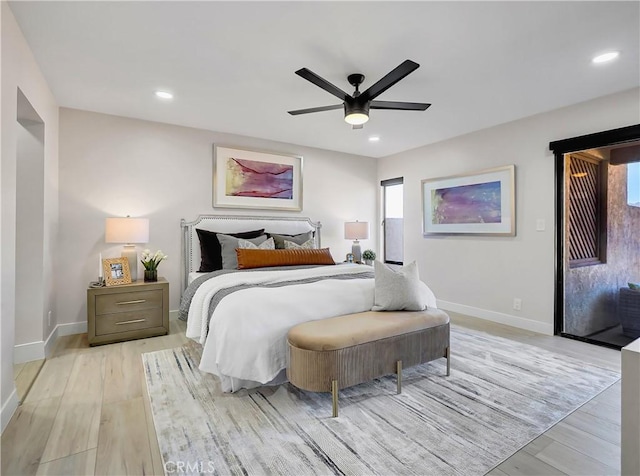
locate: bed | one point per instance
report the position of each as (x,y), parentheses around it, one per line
(241,317)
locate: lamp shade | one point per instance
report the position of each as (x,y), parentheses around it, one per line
(356,230)
(126,230)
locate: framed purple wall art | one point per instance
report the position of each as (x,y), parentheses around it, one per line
(476,203)
(254,179)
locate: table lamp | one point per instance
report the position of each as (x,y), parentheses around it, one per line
(356,230)
(129,231)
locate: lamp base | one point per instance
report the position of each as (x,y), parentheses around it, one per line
(131,254)
(357,252)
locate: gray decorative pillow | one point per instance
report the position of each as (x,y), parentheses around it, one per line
(229,245)
(292,245)
(297,239)
(399,290)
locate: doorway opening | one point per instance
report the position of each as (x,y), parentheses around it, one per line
(29,279)
(597,239)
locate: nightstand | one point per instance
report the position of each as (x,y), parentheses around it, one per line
(128,311)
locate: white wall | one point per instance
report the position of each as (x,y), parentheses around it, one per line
(19,69)
(114,166)
(482,275)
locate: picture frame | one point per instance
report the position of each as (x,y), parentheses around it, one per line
(477,203)
(254,179)
(116,271)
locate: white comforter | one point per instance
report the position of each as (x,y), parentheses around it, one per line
(247,338)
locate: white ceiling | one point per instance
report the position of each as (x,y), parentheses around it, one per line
(231,64)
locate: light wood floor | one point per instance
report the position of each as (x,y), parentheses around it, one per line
(88,413)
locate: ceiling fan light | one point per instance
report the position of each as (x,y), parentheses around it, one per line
(356,118)
(356,114)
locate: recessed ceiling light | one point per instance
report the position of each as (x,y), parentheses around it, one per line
(164,95)
(603,58)
(374,138)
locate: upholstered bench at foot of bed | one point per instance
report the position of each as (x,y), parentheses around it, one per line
(335,353)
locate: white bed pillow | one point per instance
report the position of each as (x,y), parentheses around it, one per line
(401,290)
(292,245)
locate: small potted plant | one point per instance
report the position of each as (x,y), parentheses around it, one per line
(150,261)
(368,256)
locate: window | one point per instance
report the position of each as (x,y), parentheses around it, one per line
(633,184)
(587,198)
(392,220)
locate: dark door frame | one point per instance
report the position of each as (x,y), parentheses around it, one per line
(559,148)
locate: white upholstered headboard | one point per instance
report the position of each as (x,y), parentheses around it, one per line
(235,224)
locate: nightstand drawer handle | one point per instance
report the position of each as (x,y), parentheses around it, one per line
(129,322)
(137,301)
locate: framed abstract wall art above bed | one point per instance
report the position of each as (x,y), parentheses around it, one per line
(478,203)
(254,179)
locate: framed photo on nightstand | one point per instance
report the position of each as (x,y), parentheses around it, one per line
(116,271)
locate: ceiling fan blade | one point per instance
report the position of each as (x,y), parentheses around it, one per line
(322,83)
(315,109)
(406,68)
(399,106)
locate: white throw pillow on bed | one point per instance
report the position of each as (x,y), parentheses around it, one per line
(292,245)
(401,290)
(265,245)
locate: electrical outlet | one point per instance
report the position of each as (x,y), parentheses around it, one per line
(517,304)
(49,318)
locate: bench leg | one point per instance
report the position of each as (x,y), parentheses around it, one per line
(334,397)
(447,354)
(399,372)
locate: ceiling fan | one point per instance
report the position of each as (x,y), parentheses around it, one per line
(357,106)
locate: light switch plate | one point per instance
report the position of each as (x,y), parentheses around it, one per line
(540,225)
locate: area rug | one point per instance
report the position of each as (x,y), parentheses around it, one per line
(501,395)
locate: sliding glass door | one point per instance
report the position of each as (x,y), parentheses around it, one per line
(393,220)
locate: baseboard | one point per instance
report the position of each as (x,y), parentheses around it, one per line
(42,349)
(500,318)
(173,315)
(71,328)
(8,409)
(28,352)
(50,342)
